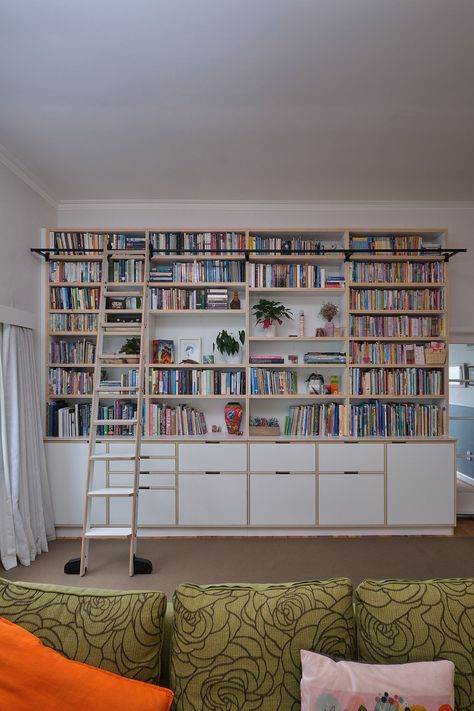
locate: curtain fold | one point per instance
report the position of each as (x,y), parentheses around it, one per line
(27,521)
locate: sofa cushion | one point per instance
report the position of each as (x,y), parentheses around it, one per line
(411,621)
(115,630)
(237,647)
(33,676)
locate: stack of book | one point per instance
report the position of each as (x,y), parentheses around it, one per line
(162,273)
(336,281)
(321,357)
(264,359)
(217,299)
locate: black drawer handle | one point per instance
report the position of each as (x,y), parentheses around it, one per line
(281,472)
(212,472)
(351,472)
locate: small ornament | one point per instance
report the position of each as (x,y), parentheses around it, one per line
(235,303)
(233,412)
(315,384)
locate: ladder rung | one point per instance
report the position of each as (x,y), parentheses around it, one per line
(115,356)
(116,388)
(107,532)
(115,422)
(122,331)
(111,491)
(117,254)
(111,458)
(127,294)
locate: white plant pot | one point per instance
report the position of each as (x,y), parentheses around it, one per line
(225,359)
(271,331)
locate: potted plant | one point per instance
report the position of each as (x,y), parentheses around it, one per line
(131,348)
(328,311)
(270,312)
(229,347)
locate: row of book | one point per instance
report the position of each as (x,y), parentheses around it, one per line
(62,381)
(389,419)
(297,276)
(60,270)
(400,299)
(179,420)
(317,420)
(188,299)
(197,382)
(86,323)
(208,270)
(128,242)
(398,272)
(124,302)
(273,382)
(75,351)
(195,242)
(117,410)
(65,420)
(74,242)
(127,379)
(127,270)
(395,243)
(289,245)
(315,357)
(74,297)
(396,326)
(402,381)
(389,353)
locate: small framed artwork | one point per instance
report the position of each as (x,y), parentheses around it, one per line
(190,350)
(208,359)
(163,351)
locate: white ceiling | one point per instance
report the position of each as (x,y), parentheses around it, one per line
(241,99)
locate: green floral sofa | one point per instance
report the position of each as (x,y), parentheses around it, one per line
(236,647)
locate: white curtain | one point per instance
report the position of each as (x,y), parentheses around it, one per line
(26,511)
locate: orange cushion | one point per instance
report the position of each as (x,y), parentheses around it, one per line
(34,677)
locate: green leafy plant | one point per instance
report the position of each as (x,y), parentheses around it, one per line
(267,312)
(328,311)
(227,344)
(131,346)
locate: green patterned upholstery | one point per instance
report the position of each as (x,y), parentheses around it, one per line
(118,631)
(410,621)
(237,647)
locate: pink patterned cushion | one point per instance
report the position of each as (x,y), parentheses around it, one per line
(327,685)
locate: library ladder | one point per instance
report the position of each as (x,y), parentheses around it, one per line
(106,328)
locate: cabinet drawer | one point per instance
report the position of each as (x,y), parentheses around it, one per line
(125,479)
(282,499)
(351,499)
(149,465)
(213,500)
(213,457)
(282,456)
(361,457)
(154,508)
(149,449)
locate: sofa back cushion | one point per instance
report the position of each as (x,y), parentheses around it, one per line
(114,630)
(412,621)
(237,647)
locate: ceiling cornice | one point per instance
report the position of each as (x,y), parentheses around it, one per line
(27,178)
(259,205)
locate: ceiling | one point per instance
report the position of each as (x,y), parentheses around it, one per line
(242,100)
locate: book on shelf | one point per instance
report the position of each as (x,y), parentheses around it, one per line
(64,420)
(73,322)
(164,420)
(407,381)
(196,382)
(117,410)
(196,242)
(208,270)
(126,271)
(217,298)
(128,242)
(390,419)
(273,382)
(76,298)
(271,359)
(316,420)
(396,326)
(77,242)
(71,352)
(269,244)
(398,299)
(188,299)
(398,244)
(324,357)
(63,271)
(62,381)
(398,272)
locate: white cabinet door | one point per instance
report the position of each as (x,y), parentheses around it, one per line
(213,499)
(151,449)
(420,483)
(67,472)
(351,499)
(282,456)
(350,456)
(155,508)
(213,457)
(282,499)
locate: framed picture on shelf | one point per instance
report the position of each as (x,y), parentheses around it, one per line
(163,351)
(189,349)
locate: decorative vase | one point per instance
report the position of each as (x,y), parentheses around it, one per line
(235,303)
(233,412)
(329,328)
(235,358)
(270,331)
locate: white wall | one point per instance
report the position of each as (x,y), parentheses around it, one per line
(458,219)
(23,212)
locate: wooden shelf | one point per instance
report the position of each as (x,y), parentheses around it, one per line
(396,397)
(197,285)
(71,365)
(297,258)
(195,397)
(397,312)
(396,285)
(197,366)
(300,291)
(308,339)
(300,396)
(396,257)
(201,312)
(74,311)
(76,257)
(82,284)
(69,397)
(290,366)
(73,333)
(396,365)
(197,257)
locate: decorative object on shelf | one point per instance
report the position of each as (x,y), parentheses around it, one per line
(286,247)
(208,359)
(229,347)
(328,311)
(315,384)
(131,348)
(293,359)
(435,353)
(334,384)
(233,412)
(320,333)
(235,303)
(163,351)
(216,428)
(115,303)
(338,331)
(268,312)
(262,426)
(301,323)
(190,350)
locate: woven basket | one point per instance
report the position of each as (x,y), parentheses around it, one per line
(435,357)
(264,431)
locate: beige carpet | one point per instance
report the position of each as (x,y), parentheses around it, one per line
(216,560)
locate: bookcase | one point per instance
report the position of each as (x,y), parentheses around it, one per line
(374,377)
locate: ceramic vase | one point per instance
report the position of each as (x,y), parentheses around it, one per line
(329,328)
(270,332)
(233,412)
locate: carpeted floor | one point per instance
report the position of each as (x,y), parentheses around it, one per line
(215,560)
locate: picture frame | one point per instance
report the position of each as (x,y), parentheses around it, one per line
(189,349)
(208,359)
(163,351)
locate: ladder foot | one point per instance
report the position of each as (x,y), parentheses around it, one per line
(142,566)
(73,566)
